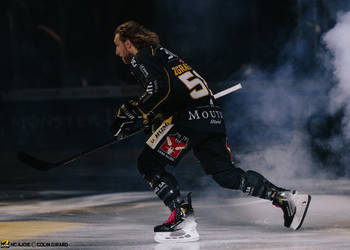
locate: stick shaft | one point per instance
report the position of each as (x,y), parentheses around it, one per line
(228,91)
(99,147)
(44,165)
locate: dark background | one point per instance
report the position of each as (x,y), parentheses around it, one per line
(54,44)
(61,81)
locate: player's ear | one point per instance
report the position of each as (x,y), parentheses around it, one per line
(128,44)
(130,47)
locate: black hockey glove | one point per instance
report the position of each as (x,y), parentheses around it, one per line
(152,122)
(125,119)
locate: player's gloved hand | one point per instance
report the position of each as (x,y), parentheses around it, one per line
(152,122)
(125,119)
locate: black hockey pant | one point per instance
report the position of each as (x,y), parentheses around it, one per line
(214,154)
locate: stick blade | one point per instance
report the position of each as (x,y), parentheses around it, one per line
(34,162)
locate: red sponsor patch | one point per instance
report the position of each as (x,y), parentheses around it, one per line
(173,146)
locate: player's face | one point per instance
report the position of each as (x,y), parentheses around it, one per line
(121,50)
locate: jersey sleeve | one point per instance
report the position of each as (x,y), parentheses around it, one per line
(157,85)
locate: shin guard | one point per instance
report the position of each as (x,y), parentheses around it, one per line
(257,185)
(167,189)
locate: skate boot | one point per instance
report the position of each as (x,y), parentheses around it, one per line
(180,226)
(294,206)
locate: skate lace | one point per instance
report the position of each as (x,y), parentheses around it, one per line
(172,217)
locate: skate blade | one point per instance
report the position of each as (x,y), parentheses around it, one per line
(178,246)
(187,233)
(167,238)
(302,202)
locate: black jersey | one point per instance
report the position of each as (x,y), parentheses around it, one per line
(173,88)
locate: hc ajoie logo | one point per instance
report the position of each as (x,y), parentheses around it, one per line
(5,244)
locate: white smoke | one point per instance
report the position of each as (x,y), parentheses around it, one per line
(285,96)
(277,111)
(338,42)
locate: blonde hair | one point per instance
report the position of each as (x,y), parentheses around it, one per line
(139,36)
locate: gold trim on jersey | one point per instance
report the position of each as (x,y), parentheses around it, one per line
(166,96)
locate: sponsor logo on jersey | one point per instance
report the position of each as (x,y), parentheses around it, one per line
(149,89)
(215,121)
(173,146)
(205,114)
(215,116)
(144,71)
(133,62)
(152,87)
(158,135)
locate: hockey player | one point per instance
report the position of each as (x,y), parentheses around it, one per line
(178,107)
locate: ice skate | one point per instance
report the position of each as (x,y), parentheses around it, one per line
(180,226)
(294,206)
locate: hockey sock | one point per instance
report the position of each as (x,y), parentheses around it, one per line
(257,185)
(167,189)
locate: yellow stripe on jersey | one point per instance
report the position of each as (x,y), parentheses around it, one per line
(165,97)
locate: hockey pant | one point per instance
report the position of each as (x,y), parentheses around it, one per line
(214,154)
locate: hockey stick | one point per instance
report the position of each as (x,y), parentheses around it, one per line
(44,165)
(228,91)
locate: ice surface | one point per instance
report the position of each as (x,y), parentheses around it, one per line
(126,220)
